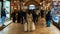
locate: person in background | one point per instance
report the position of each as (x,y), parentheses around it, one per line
(29,22)
(24,15)
(34,16)
(48,18)
(37,15)
(19,16)
(42,13)
(14,15)
(3,16)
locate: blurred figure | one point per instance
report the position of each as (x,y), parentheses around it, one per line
(37,15)
(31,25)
(3,16)
(14,16)
(34,16)
(19,16)
(24,15)
(42,13)
(48,18)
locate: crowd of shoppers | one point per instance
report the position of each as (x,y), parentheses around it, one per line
(27,17)
(21,16)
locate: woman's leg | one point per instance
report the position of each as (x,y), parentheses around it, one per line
(14,19)
(3,19)
(48,23)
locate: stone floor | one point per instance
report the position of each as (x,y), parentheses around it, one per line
(17,28)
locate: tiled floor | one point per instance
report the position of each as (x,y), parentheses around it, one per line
(17,28)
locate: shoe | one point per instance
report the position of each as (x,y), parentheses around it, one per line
(21,23)
(31,31)
(48,26)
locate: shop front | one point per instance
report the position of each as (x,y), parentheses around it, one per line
(56,13)
(5,4)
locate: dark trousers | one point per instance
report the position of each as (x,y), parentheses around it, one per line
(14,19)
(19,19)
(37,17)
(34,18)
(24,15)
(48,23)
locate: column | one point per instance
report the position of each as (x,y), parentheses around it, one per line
(0,10)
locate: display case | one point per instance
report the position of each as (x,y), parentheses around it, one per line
(56,13)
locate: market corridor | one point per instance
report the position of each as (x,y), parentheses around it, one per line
(17,28)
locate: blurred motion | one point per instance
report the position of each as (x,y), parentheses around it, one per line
(35,16)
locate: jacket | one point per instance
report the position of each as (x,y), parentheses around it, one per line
(3,13)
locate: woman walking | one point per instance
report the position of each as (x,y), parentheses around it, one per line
(48,18)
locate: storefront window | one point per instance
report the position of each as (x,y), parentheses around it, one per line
(6,5)
(55,13)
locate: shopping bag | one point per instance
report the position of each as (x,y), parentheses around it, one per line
(33,26)
(25,27)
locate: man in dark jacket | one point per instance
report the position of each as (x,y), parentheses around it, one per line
(19,16)
(48,18)
(34,16)
(14,16)
(3,16)
(24,14)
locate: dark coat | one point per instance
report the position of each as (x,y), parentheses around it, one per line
(23,13)
(42,13)
(3,13)
(48,16)
(20,13)
(14,14)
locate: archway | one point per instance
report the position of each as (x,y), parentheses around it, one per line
(32,2)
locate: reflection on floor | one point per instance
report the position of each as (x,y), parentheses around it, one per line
(17,28)
(7,22)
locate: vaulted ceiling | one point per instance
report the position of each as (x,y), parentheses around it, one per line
(32,2)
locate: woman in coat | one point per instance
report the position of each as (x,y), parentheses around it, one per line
(48,18)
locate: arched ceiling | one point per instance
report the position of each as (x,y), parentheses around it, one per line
(32,2)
